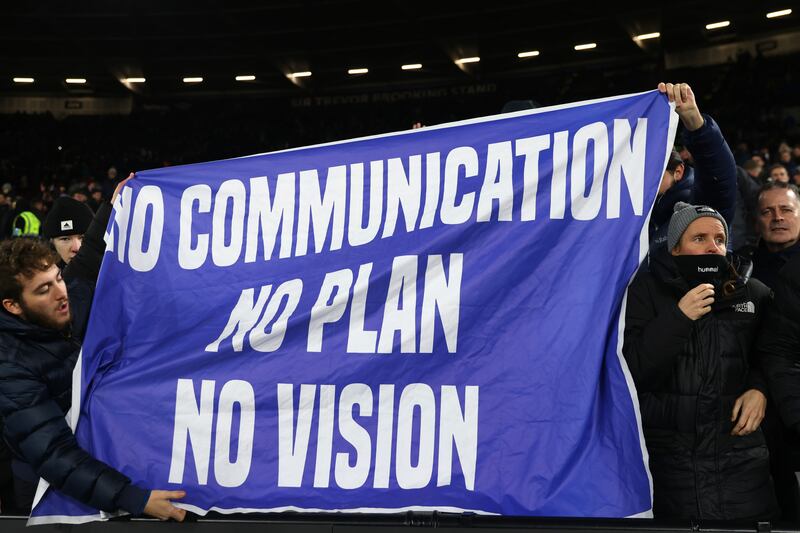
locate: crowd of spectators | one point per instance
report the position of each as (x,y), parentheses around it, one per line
(43,157)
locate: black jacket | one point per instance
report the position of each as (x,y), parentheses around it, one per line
(35,392)
(767,265)
(688,375)
(743,234)
(779,345)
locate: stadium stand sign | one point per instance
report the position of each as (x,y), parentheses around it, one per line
(476,89)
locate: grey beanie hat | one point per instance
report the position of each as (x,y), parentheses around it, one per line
(684,214)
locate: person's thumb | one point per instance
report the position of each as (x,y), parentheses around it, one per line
(177,513)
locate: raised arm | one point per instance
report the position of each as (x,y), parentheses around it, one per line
(714,168)
(86,264)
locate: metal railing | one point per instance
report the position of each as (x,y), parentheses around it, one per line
(360,523)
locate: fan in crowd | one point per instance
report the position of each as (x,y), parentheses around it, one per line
(42,323)
(65,225)
(690,320)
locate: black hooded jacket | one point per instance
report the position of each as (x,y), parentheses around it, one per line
(688,375)
(36,366)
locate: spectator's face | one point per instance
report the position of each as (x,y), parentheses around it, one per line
(68,246)
(779,174)
(756,170)
(785,156)
(670,178)
(779,218)
(706,235)
(80,197)
(43,300)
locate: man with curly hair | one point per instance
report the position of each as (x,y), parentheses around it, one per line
(42,322)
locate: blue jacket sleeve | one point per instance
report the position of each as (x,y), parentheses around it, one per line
(714,169)
(37,431)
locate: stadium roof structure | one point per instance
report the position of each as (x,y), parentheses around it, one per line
(157,47)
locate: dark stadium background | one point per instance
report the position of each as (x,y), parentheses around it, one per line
(59,134)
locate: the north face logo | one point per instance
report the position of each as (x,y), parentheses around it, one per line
(66,224)
(745,307)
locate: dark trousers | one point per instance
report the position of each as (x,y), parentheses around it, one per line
(25,482)
(784,459)
(24,491)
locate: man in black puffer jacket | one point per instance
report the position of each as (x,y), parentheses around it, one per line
(42,323)
(689,327)
(778,348)
(779,344)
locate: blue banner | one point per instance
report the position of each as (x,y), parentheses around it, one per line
(420,320)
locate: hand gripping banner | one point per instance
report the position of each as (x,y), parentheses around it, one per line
(420,320)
